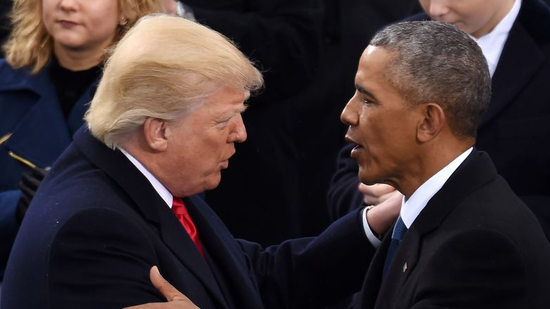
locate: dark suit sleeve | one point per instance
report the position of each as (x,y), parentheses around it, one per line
(282,36)
(463,273)
(343,194)
(100,259)
(313,272)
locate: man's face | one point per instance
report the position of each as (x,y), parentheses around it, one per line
(475,17)
(201,143)
(380,123)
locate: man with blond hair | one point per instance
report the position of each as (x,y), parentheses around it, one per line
(160,129)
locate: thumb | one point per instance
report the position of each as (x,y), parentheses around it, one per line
(168,290)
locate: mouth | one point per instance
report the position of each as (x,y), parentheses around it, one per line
(354,152)
(67,23)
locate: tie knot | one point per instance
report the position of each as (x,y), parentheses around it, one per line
(399,229)
(178,207)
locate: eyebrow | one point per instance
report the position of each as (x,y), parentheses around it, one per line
(365,92)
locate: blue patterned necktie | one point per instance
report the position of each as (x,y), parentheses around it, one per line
(398,232)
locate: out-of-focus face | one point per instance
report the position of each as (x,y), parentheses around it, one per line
(81,25)
(201,143)
(475,17)
(380,123)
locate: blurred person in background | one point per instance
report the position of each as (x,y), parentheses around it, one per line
(51,70)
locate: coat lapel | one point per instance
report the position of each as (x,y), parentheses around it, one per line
(225,257)
(151,206)
(474,172)
(44,133)
(43,127)
(521,58)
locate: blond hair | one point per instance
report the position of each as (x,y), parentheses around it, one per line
(162,68)
(31,46)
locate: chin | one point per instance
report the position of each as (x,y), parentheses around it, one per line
(213,182)
(367,178)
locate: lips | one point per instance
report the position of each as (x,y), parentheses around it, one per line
(67,23)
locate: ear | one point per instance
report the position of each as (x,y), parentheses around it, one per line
(432,122)
(154,131)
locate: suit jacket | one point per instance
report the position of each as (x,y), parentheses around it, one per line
(516,126)
(96,226)
(474,245)
(32,126)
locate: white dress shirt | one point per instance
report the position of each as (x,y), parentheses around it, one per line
(411,208)
(161,189)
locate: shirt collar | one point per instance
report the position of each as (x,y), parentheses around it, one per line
(419,199)
(492,43)
(161,190)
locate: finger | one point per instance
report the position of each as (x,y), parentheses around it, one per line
(376,190)
(30,181)
(168,290)
(27,189)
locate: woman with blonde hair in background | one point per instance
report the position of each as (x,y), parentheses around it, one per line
(52,67)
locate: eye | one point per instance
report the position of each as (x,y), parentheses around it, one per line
(367,101)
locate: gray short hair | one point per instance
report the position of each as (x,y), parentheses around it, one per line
(436,62)
(164,67)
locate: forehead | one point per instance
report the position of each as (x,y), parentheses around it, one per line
(373,66)
(227,98)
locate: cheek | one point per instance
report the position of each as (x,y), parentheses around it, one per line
(105,19)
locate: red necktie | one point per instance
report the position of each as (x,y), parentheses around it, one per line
(179,209)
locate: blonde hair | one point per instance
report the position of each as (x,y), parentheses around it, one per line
(30,45)
(163,68)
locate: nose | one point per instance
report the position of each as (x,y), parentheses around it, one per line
(349,115)
(68,5)
(238,134)
(437,8)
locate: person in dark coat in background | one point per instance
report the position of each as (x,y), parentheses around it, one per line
(515,128)
(348,28)
(258,199)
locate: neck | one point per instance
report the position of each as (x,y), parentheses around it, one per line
(78,60)
(433,159)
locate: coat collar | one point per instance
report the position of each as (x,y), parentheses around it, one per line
(43,132)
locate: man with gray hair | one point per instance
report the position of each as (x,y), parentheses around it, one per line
(463,238)
(160,129)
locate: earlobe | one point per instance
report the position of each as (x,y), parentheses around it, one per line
(432,122)
(155,132)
